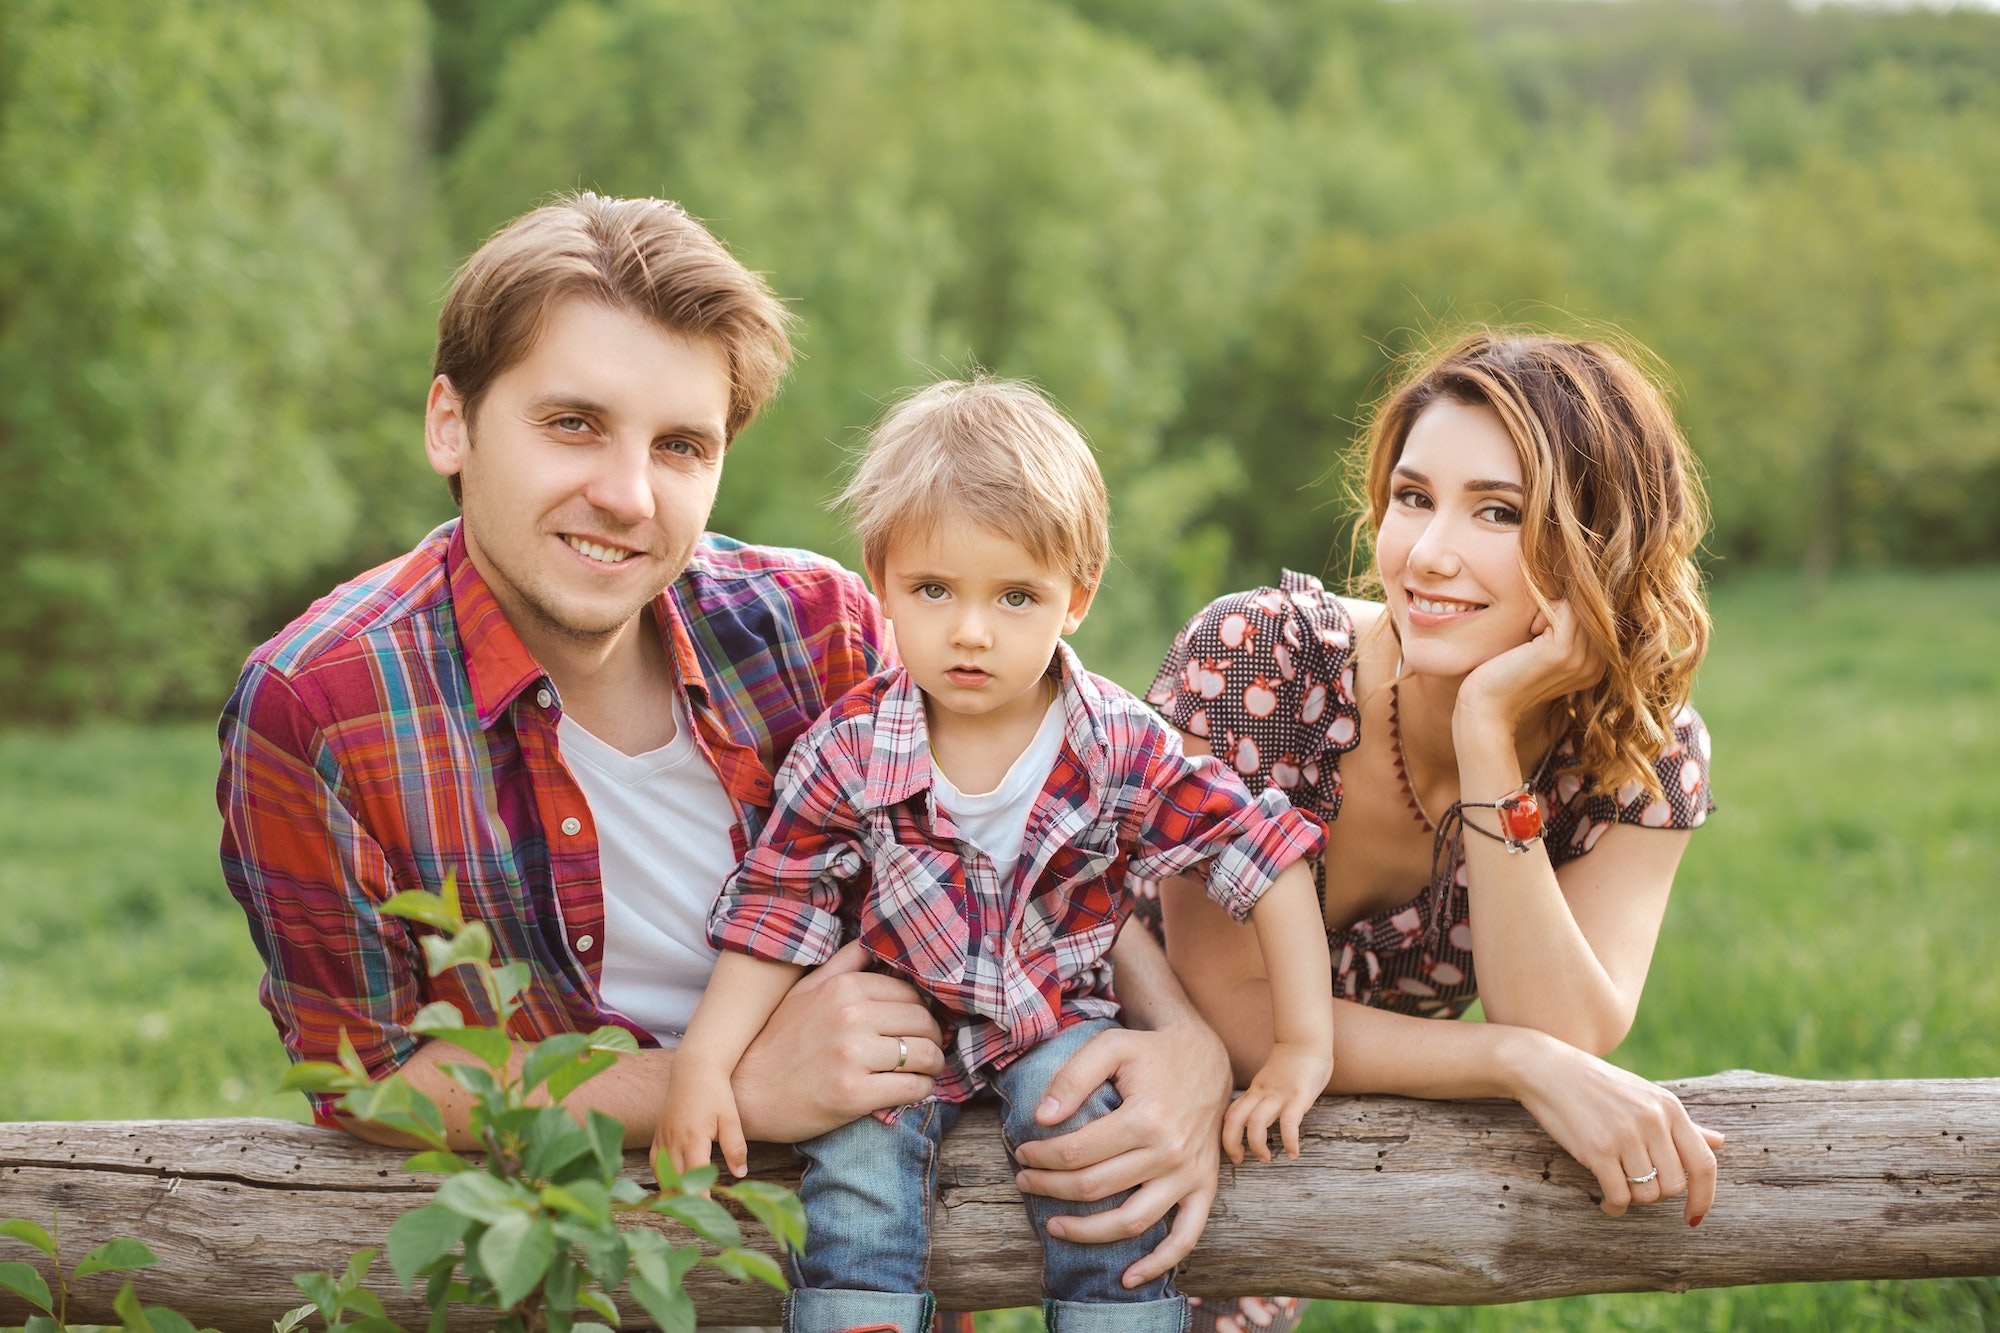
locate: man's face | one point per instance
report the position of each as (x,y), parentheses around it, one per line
(588,470)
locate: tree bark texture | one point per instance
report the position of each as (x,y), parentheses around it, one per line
(1393,1200)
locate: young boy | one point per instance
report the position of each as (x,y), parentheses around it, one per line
(975,810)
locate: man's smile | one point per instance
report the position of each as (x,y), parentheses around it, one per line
(601,552)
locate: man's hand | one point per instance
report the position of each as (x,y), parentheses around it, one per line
(830,1053)
(1163,1142)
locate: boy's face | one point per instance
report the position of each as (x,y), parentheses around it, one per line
(977,619)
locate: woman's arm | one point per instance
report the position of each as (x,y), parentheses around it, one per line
(1605,1117)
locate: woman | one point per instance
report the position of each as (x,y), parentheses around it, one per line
(1501,747)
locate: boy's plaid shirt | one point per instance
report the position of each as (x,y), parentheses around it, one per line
(857,835)
(398,732)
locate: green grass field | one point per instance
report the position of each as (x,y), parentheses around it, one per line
(1834,919)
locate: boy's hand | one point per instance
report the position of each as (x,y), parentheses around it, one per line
(1284,1088)
(700,1112)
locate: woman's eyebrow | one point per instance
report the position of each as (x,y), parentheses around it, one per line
(1483,484)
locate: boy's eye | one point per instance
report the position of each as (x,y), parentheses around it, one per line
(931,592)
(1017,599)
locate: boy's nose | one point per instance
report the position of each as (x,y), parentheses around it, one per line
(970,631)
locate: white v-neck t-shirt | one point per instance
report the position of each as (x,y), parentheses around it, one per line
(996,822)
(663,848)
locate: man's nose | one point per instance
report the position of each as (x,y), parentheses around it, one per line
(622,483)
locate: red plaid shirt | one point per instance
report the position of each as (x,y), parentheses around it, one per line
(857,833)
(399,732)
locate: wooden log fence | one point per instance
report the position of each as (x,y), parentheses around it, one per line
(1393,1200)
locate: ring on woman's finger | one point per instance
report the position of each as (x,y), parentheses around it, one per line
(1646,1179)
(903,1062)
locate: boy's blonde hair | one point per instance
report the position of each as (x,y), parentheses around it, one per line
(990,450)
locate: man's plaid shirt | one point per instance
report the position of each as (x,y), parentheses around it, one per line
(399,732)
(857,834)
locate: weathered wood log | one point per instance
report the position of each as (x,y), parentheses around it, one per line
(1393,1200)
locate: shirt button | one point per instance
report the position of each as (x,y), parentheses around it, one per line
(583,943)
(544,698)
(572,826)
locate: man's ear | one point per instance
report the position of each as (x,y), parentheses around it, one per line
(447,432)
(1080,598)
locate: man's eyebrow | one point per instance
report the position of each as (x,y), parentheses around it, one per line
(571,402)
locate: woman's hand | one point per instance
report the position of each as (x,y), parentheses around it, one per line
(1559,660)
(1620,1127)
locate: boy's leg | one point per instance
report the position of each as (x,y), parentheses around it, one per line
(1081,1282)
(867,1191)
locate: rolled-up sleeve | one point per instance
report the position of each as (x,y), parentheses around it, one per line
(783,902)
(1203,822)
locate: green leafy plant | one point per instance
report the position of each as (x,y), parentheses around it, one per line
(114,1256)
(535,1229)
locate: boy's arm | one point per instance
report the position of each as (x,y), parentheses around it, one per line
(700,1108)
(1292,938)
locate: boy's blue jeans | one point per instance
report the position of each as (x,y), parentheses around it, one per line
(869,1189)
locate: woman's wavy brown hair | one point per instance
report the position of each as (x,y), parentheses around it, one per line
(1611,518)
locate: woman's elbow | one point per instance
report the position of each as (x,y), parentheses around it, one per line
(1594,1031)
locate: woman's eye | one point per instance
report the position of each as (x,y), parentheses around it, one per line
(1505,515)
(1017,599)
(1412,497)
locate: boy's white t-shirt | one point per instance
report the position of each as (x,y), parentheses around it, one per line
(996,822)
(663,849)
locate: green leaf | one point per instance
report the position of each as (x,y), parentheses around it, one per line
(437,1016)
(130,1312)
(366,1301)
(321,1291)
(41,1323)
(559,1287)
(21,1229)
(429,908)
(698,1178)
(374,1323)
(608,1141)
(395,1103)
(349,1059)
(515,1252)
(319,1076)
(585,1198)
(490,1046)
(482,1198)
(438,1163)
(508,981)
(115,1256)
(658,1260)
(421,1237)
(554,1141)
(291,1319)
(617,1040)
(599,1303)
(574,1075)
(558,1320)
(626,1190)
(775,1207)
(165,1320)
(705,1217)
(549,1055)
(670,1307)
(603,1250)
(358,1265)
(750,1265)
(479,1082)
(29,1285)
(472,945)
(586,1326)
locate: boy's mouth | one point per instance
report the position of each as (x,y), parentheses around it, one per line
(968,675)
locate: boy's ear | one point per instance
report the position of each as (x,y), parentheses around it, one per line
(1079,606)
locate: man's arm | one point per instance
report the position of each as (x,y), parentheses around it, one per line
(826,1057)
(1164,1141)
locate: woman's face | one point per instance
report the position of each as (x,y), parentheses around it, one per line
(1449,550)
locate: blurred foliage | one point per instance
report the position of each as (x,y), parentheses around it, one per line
(1205,226)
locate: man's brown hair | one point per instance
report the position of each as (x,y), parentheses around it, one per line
(643,255)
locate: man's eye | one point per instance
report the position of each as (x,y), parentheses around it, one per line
(685,448)
(1017,599)
(571,424)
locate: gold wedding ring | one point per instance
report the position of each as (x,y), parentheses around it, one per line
(903,1060)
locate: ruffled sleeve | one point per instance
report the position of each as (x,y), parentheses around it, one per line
(1266,677)
(1580,813)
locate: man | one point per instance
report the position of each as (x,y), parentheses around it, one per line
(573,699)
